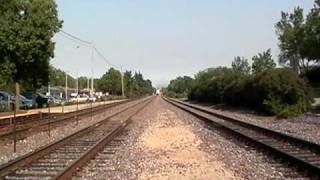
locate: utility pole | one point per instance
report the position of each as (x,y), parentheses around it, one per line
(77,85)
(122,85)
(92,56)
(88,83)
(49,89)
(66,89)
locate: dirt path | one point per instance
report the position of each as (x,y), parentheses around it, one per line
(171,151)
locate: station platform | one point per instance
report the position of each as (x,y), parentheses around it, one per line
(56,109)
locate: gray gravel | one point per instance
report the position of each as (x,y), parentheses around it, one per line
(132,161)
(305,127)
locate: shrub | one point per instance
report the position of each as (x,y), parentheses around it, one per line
(280,92)
(313,75)
(276,91)
(209,85)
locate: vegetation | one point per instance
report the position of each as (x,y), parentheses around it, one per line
(179,87)
(298,36)
(26,29)
(57,77)
(268,89)
(262,62)
(134,85)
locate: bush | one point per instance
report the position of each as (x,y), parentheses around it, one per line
(313,75)
(281,92)
(277,91)
(209,85)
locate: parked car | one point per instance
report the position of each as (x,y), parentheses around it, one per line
(25,103)
(5,96)
(92,98)
(79,98)
(6,100)
(55,100)
(39,100)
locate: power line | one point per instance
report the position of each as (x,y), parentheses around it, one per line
(75,37)
(104,58)
(88,44)
(73,40)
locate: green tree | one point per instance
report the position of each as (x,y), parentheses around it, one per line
(311,43)
(180,86)
(290,31)
(26,30)
(83,82)
(241,66)
(262,62)
(6,82)
(110,82)
(57,77)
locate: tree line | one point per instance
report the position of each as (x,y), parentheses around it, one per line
(284,91)
(134,84)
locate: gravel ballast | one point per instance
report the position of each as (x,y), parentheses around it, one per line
(40,139)
(164,142)
(305,127)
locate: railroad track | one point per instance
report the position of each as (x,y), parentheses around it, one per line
(102,163)
(37,122)
(60,160)
(298,152)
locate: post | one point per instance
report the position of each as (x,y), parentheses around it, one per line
(9,107)
(92,57)
(17,97)
(14,130)
(49,90)
(88,83)
(15,110)
(122,85)
(91,111)
(49,118)
(66,89)
(77,118)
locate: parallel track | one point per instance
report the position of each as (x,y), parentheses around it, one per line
(36,121)
(60,160)
(295,151)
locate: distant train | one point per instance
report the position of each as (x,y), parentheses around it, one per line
(158,92)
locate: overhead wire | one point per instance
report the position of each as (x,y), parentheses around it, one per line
(88,44)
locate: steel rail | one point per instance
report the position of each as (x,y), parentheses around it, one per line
(295,150)
(25,160)
(58,118)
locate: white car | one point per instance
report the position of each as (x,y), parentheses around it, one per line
(80,98)
(92,98)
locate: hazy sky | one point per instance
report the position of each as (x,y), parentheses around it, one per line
(166,38)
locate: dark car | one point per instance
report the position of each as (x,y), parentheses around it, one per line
(39,100)
(6,100)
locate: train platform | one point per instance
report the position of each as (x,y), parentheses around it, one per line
(56,109)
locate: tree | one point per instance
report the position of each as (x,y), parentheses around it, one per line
(311,43)
(262,62)
(57,77)
(26,30)
(241,66)
(180,86)
(6,82)
(290,31)
(110,82)
(83,82)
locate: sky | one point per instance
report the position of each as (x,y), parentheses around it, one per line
(164,39)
